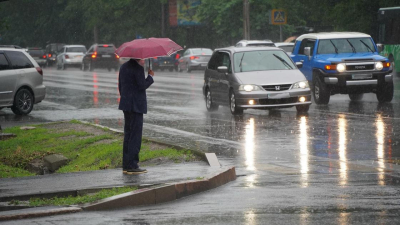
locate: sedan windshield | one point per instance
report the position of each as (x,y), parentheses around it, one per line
(345,45)
(262,61)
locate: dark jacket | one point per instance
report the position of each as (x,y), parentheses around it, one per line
(132,86)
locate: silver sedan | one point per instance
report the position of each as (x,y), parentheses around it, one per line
(194,58)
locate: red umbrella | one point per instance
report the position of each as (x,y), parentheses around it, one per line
(148,48)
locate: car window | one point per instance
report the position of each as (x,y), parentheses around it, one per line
(288,48)
(225,61)
(262,60)
(307,43)
(345,45)
(212,64)
(19,60)
(76,49)
(3,62)
(105,50)
(36,53)
(202,51)
(262,44)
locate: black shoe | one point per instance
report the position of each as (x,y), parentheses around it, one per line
(136,171)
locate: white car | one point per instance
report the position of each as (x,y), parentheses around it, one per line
(254,43)
(286,46)
(21,81)
(71,55)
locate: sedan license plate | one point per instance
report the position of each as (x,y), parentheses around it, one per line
(279,95)
(78,57)
(361,76)
(106,56)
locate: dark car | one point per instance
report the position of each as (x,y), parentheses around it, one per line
(38,55)
(167,62)
(51,51)
(101,56)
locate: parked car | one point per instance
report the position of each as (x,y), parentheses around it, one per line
(254,78)
(70,55)
(286,46)
(10,46)
(166,62)
(51,51)
(344,63)
(38,55)
(100,56)
(194,58)
(252,43)
(21,83)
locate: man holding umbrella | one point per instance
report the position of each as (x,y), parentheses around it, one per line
(132,86)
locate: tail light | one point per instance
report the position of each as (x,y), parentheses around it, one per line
(105,46)
(94,55)
(177,56)
(44,56)
(67,56)
(116,56)
(49,55)
(40,71)
(193,57)
(154,57)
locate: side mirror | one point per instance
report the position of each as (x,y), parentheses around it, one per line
(307,51)
(222,69)
(299,65)
(381,47)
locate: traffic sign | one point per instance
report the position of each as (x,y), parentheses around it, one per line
(278,17)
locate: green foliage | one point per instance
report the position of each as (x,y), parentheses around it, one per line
(105,193)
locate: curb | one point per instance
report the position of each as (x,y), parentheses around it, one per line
(163,193)
(41,213)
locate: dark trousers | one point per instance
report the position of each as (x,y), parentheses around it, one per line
(132,139)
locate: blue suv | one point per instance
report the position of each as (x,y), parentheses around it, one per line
(343,63)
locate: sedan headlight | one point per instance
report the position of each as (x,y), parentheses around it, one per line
(378,65)
(301,85)
(249,87)
(341,67)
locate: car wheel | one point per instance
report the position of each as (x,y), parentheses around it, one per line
(302,108)
(188,68)
(232,105)
(63,66)
(171,69)
(384,93)
(58,66)
(321,92)
(210,105)
(83,66)
(356,97)
(180,69)
(23,102)
(91,67)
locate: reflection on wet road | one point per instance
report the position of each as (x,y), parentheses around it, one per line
(339,159)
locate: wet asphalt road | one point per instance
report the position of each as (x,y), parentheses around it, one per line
(336,165)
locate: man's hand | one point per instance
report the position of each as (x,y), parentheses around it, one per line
(151,72)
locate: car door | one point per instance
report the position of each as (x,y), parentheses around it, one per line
(184,60)
(306,60)
(8,78)
(223,86)
(213,77)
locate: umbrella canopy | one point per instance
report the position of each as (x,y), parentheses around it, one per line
(148,48)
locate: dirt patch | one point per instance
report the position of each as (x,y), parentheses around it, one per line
(64,127)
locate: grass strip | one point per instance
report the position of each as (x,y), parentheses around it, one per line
(70,200)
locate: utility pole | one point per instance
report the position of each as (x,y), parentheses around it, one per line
(246,20)
(162,20)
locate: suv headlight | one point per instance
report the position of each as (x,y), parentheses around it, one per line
(341,67)
(378,65)
(301,85)
(249,87)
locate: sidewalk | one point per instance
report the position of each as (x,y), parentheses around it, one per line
(183,178)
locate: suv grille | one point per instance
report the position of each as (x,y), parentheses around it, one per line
(278,87)
(360,67)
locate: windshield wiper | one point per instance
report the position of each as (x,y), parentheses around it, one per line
(336,50)
(240,64)
(366,45)
(283,61)
(352,47)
